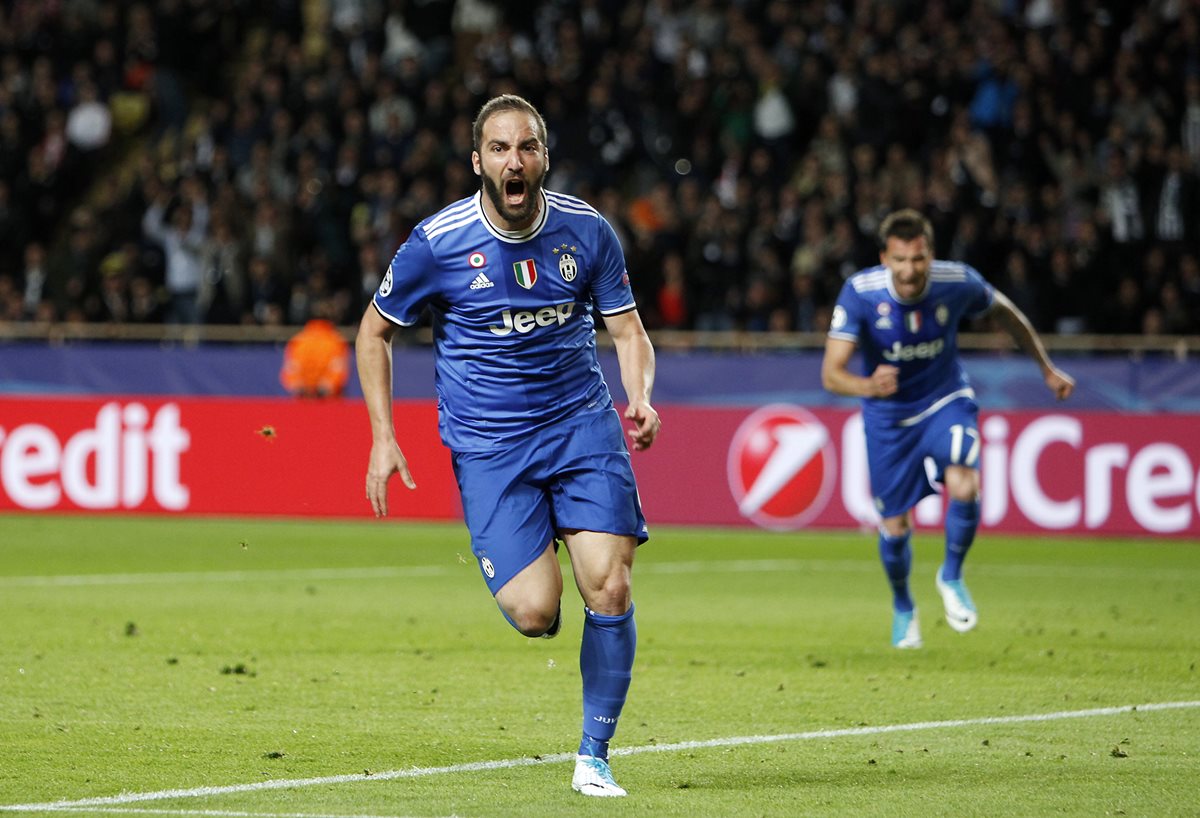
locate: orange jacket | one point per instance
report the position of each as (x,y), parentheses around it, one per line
(316,361)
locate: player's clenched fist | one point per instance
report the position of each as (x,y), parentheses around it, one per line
(885,380)
(646,422)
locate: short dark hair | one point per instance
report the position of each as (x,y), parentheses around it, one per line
(506,102)
(906,225)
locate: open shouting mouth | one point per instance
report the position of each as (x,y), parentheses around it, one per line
(515,191)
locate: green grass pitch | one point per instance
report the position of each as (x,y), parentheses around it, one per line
(159,666)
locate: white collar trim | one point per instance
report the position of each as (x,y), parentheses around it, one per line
(514,236)
(891,285)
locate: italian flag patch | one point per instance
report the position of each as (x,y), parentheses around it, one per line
(912,321)
(526,273)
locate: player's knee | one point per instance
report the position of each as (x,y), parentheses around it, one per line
(962,484)
(896,527)
(531,620)
(612,596)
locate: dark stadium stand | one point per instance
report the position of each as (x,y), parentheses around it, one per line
(745,152)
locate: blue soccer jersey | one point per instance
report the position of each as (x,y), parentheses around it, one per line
(919,335)
(512,315)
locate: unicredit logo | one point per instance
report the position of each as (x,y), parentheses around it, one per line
(126,458)
(781,467)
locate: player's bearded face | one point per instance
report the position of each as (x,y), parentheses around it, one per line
(515,193)
(909,262)
(512,165)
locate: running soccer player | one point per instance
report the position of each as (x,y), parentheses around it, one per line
(917,403)
(512,276)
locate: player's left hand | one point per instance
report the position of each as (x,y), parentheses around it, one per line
(646,424)
(1060,383)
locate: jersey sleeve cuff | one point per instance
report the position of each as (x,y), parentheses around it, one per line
(618,310)
(390,318)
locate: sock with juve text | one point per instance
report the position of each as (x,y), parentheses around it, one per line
(896,555)
(962,520)
(606,664)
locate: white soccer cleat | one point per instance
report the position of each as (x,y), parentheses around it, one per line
(593,777)
(906,630)
(960,609)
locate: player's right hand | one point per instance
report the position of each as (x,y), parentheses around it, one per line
(1060,383)
(386,460)
(646,424)
(884,381)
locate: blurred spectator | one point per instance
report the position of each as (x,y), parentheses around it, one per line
(265,292)
(316,361)
(1051,143)
(33,279)
(111,304)
(183,244)
(221,295)
(89,124)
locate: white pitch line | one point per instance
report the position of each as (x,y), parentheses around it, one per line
(77,580)
(506,764)
(211,813)
(664,568)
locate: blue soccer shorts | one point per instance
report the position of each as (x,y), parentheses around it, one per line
(573,475)
(896,454)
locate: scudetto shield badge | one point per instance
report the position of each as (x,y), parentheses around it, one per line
(525,272)
(567,267)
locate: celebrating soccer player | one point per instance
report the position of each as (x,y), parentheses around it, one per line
(512,275)
(917,403)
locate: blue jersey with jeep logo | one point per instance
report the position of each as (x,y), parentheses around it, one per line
(919,335)
(512,315)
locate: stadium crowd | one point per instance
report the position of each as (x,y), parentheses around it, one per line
(226,161)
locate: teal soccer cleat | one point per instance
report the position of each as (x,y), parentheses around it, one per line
(906,630)
(593,777)
(960,609)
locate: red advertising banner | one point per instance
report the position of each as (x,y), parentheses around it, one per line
(780,467)
(212,456)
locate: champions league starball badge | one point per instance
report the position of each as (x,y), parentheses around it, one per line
(781,467)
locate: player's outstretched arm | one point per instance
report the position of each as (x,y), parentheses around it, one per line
(1015,323)
(373,353)
(837,378)
(635,354)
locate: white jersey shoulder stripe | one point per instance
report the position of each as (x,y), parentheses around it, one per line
(577,211)
(570,204)
(875,279)
(446,227)
(450,212)
(948,271)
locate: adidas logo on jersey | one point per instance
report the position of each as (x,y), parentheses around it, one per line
(481,282)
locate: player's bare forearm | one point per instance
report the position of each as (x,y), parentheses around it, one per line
(373,354)
(635,355)
(1027,339)
(837,378)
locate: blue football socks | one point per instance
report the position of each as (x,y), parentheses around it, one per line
(962,520)
(896,555)
(606,663)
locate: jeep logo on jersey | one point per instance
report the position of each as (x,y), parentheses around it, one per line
(908,352)
(525,321)
(567,267)
(781,467)
(525,272)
